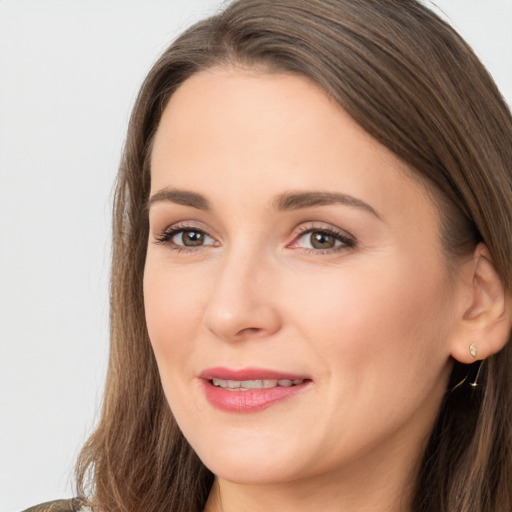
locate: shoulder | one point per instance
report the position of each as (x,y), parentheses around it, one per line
(74,505)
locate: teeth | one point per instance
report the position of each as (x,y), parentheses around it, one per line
(244,385)
(258,384)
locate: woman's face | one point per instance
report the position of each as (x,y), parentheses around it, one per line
(296,295)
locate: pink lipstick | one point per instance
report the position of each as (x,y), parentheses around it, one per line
(250,389)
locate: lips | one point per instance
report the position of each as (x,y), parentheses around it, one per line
(245,385)
(250,389)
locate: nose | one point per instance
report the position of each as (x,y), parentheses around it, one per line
(242,304)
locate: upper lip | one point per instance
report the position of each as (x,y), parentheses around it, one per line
(249,374)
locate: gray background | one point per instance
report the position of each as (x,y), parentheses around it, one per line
(69,73)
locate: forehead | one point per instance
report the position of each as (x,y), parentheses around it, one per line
(246,131)
(223,109)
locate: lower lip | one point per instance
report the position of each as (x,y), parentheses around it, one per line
(249,401)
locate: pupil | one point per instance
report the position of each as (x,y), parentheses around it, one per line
(193,238)
(322,241)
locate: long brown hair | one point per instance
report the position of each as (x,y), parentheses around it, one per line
(412,83)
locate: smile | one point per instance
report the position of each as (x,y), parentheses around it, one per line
(251,389)
(246,385)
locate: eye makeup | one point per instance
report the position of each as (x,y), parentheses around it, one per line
(312,238)
(322,240)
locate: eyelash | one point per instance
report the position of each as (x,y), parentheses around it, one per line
(347,241)
(166,236)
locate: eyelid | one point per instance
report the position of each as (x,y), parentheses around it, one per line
(348,240)
(166,235)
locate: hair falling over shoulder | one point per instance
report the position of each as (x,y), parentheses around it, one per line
(413,84)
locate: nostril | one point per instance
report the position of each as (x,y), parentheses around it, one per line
(250,330)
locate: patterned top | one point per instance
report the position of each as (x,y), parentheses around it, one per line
(74,505)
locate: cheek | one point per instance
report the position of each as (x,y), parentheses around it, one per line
(172,302)
(384,325)
(377,340)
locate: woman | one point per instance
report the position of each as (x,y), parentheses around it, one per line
(311,271)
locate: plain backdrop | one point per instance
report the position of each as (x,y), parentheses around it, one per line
(69,73)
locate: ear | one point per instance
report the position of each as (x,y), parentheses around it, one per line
(483,323)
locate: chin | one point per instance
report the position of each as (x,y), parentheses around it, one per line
(262,472)
(250,458)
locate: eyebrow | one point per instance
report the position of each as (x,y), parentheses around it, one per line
(183,197)
(299,200)
(283,202)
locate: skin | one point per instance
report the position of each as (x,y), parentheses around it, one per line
(372,322)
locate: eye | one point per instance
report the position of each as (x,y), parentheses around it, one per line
(189,238)
(182,238)
(321,240)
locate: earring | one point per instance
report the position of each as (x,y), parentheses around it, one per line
(474,384)
(474,353)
